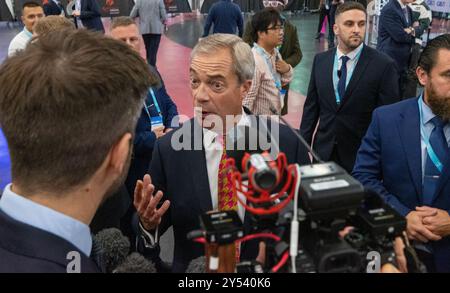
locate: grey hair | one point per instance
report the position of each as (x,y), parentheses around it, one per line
(241,53)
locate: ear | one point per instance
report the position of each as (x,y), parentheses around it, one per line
(422,76)
(335,29)
(245,87)
(118,155)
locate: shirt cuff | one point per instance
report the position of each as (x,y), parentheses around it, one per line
(150,238)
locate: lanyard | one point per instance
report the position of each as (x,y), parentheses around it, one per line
(275,76)
(349,74)
(155,102)
(27,32)
(434,158)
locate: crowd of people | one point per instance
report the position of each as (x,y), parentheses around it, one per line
(103,150)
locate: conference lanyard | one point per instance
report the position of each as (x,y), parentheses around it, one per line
(349,74)
(27,32)
(276,77)
(155,102)
(434,158)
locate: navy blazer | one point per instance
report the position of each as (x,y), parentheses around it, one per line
(145,139)
(51,8)
(374,83)
(183,178)
(392,39)
(91,15)
(389,162)
(26,249)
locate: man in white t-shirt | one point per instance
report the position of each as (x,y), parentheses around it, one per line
(31,13)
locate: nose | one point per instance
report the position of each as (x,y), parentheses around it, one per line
(200,94)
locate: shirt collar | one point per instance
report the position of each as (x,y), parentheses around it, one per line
(403,6)
(31,213)
(427,114)
(209,135)
(266,54)
(352,55)
(27,32)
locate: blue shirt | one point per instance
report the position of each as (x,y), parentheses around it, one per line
(428,127)
(28,212)
(226,16)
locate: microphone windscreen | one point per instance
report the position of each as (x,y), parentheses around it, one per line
(197,265)
(114,247)
(135,263)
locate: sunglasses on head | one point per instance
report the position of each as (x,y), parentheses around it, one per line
(268,3)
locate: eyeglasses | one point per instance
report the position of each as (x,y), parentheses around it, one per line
(268,3)
(276,28)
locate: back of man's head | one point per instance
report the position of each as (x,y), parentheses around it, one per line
(64,102)
(52,23)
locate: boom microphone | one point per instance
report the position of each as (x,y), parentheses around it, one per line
(112,246)
(197,265)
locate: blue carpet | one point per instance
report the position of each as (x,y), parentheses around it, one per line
(5,165)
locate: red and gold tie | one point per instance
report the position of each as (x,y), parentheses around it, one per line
(227,198)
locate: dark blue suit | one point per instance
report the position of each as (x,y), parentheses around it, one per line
(145,139)
(91,15)
(389,162)
(182,176)
(341,128)
(25,249)
(392,39)
(51,8)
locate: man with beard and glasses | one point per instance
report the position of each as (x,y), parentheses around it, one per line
(405,157)
(69,132)
(347,83)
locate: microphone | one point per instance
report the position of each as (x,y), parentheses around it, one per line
(197,265)
(112,247)
(135,263)
(302,140)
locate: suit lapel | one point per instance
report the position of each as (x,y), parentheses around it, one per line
(328,72)
(443,180)
(408,127)
(199,171)
(361,66)
(400,13)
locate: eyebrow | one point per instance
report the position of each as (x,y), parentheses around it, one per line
(214,76)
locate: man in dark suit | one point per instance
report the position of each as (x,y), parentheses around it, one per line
(396,36)
(405,157)
(77,152)
(53,7)
(344,94)
(186,165)
(88,13)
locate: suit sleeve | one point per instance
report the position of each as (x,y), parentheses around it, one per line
(394,27)
(240,22)
(296,53)
(311,109)
(368,166)
(157,174)
(247,36)
(92,11)
(208,22)
(162,11)
(135,11)
(388,87)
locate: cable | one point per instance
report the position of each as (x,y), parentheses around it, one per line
(281,263)
(293,247)
(259,235)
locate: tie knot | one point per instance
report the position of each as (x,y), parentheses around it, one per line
(438,123)
(344,59)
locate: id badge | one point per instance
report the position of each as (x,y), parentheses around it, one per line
(282,94)
(156,122)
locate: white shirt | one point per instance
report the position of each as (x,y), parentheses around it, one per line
(78,8)
(213,154)
(19,42)
(31,213)
(401,4)
(351,63)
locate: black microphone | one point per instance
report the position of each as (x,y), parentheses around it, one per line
(302,140)
(135,263)
(197,265)
(112,246)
